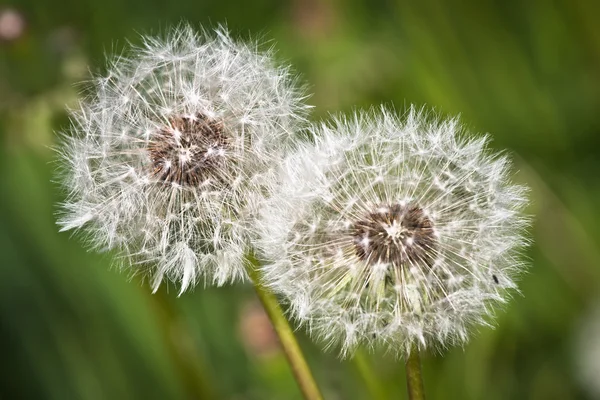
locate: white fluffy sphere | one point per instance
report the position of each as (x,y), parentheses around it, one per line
(168,155)
(393,233)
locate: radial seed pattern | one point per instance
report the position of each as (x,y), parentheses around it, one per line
(170,152)
(393,233)
(189,151)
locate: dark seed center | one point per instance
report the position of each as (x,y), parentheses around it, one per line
(190,151)
(397,234)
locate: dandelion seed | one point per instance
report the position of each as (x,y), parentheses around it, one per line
(169,153)
(393,234)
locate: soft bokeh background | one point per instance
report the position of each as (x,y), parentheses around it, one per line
(528,72)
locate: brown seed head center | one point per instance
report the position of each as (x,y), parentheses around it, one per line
(191,150)
(395,234)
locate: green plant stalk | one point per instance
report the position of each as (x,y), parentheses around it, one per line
(288,341)
(414,379)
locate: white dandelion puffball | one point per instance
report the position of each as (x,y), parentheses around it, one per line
(169,153)
(393,233)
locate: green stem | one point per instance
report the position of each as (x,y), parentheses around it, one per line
(361,361)
(290,346)
(414,379)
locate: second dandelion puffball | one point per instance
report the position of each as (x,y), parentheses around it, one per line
(397,233)
(169,153)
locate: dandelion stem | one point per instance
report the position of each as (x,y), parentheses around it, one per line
(414,379)
(288,341)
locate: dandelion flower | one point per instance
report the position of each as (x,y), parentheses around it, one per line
(393,234)
(168,154)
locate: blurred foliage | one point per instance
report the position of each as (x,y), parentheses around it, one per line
(529,72)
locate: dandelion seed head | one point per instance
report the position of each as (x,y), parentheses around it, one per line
(393,233)
(189,150)
(170,152)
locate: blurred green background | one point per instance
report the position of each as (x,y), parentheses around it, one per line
(527,72)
